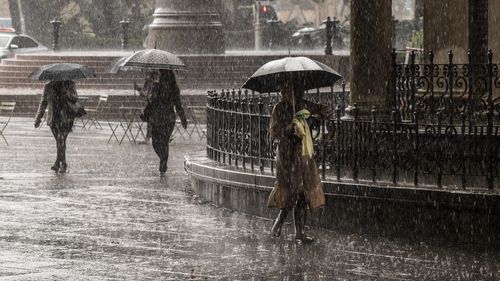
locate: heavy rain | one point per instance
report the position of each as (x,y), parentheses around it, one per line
(249,140)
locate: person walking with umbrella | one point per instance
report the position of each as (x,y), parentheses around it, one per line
(161,92)
(61,99)
(163,103)
(297,187)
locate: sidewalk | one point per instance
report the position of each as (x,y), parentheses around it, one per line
(112,218)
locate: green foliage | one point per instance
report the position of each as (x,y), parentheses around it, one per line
(89,24)
(417,39)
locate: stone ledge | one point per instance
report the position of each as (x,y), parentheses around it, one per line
(416,213)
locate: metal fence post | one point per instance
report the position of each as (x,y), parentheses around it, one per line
(490,179)
(451,72)
(356,135)
(261,134)
(416,148)
(328,34)
(338,143)
(124,23)
(56,25)
(395,124)
(244,110)
(373,136)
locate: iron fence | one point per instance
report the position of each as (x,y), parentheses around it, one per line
(443,131)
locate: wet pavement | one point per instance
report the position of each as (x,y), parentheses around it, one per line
(112,218)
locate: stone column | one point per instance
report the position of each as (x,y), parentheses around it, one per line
(371,46)
(446,28)
(187,27)
(494,25)
(478,30)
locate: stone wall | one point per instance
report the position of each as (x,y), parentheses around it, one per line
(413,213)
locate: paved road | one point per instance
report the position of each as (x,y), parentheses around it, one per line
(112,218)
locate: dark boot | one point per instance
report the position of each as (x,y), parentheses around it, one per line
(278,223)
(299,221)
(56,166)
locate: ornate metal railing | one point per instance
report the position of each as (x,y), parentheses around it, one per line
(444,130)
(237,124)
(450,90)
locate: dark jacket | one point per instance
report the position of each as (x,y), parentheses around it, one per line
(56,95)
(163,102)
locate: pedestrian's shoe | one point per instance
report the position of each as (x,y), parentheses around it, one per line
(55,167)
(304,240)
(63,168)
(299,221)
(278,223)
(162,174)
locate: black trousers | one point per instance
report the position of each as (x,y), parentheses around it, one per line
(161,139)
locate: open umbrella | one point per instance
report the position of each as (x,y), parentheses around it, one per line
(117,66)
(62,71)
(149,59)
(303,72)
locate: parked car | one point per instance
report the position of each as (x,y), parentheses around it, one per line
(12,43)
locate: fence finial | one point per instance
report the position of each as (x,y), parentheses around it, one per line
(450,57)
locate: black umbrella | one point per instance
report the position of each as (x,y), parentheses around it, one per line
(148,59)
(62,71)
(303,72)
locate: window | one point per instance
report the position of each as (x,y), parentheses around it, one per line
(24,42)
(4,40)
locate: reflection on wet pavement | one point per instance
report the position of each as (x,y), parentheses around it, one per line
(112,218)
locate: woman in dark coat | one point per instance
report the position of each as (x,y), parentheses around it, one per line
(163,102)
(298,185)
(56,95)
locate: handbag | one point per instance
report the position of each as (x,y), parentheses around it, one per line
(75,109)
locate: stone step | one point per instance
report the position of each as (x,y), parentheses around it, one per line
(204,71)
(39,85)
(27,105)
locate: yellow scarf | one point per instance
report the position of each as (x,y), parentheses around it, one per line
(303,132)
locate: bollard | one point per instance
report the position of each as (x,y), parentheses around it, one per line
(328,48)
(124,24)
(56,24)
(337,40)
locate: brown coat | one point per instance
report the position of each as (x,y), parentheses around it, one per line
(294,173)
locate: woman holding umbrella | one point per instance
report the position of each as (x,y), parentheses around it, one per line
(298,185)
(163,102)
(60,96)
(162,94)
(56,94)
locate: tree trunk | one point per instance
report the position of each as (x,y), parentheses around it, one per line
(14,14)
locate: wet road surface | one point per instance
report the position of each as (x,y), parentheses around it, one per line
(112,218)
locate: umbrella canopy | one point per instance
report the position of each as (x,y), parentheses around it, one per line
(303,72)
(62,71)
(150,59)
(117,65)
